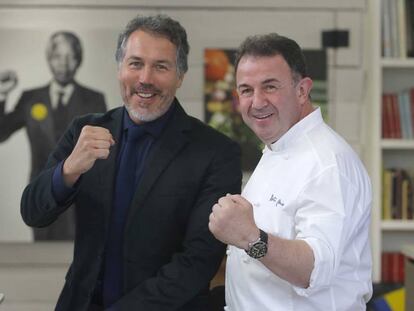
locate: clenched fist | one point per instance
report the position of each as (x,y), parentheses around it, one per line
(8,81)
(232,221)
(94,143)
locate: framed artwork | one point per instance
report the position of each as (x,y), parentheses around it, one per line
(26,36)
(221,100)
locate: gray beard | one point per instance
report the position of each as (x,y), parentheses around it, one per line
(135,115)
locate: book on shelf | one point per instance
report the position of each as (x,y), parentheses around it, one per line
(386,194)
(410,27)
(398,114)
(405,114)
(392,267)
(397,194)
(385,29)
(412,108)
(396,125)
(397,28)
(402,28)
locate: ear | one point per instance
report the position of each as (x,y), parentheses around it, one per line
(180,81)
(303,89)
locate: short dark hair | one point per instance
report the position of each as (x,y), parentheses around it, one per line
(274,44)
(69,37)
(161,25)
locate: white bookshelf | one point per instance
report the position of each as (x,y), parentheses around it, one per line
(397,144)
(395,63)
(397,225)
(384,75)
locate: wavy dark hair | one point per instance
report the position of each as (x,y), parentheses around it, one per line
(161,25)
(274,44)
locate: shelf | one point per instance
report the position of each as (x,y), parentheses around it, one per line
(397,225)
(408,250)
(397,144)
(398,63)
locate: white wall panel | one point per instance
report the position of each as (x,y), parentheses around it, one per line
(349,84)
(352,55)
(348,113)
(25,26)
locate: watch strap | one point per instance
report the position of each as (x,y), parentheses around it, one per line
(258,249)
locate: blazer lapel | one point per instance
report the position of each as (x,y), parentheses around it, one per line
(75,102)
(107,168)
(163,152)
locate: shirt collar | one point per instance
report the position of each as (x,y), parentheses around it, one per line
(153,127)
(55,89)
(296,131)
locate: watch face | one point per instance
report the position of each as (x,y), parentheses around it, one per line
(258,250)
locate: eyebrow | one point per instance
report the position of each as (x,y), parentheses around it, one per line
(164,62)
(242,85)
(270,80)
(158,61)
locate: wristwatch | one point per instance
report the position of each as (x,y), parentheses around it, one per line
(258,249)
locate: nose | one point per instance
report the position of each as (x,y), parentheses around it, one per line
(66,62)
(145,76)
(60,61)
(259,100)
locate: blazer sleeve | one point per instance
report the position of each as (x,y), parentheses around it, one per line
(38,206)
(189,272)
(13,121)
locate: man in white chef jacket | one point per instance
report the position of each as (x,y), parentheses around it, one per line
(298,235)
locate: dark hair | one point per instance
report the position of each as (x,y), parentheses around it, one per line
(160,25)
(273,44)
(69,37)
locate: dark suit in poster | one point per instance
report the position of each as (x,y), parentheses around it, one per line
(34,112)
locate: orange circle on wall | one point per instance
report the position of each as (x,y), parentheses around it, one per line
(216,64)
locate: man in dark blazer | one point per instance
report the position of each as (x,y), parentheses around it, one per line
(142,239)
(45,113)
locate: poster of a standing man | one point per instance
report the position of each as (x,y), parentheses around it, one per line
(45,112)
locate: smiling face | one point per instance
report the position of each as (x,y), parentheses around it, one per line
(271,102)
(148,76)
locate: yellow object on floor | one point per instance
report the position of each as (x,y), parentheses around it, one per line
(392,301)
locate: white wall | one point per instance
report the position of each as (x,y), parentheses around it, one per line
(26,25)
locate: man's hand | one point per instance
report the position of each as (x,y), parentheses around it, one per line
(8,81)
(232,221)
(94,143)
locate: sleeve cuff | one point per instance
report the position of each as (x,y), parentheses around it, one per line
(322,271)
(60,191)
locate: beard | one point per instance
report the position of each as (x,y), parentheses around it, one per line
(147,116)
(141,111)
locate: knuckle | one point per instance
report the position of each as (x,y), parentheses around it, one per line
(86,128)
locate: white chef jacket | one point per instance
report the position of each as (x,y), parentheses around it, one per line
(309,185)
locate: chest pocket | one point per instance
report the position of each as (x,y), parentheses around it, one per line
(275,215)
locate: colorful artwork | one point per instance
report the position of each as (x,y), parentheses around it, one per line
(221,100)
